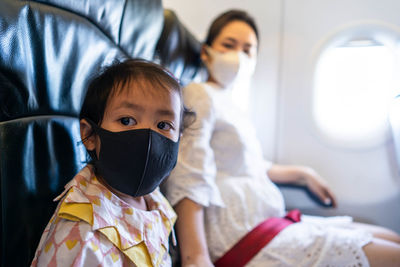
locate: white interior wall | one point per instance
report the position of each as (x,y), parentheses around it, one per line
(197,17)
(364,179)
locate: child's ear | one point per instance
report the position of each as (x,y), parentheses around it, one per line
(87,136)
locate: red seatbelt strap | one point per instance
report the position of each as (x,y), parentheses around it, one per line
(247,247)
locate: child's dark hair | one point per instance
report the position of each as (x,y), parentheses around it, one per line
(225,18)
(115,77)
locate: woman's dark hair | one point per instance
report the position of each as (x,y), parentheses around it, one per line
(115,78)
(225,18)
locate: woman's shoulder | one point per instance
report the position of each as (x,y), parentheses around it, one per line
(198,93)
(199,89)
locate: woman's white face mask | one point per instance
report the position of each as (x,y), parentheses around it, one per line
(229,67)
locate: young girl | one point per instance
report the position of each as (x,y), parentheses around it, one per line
(221,171)
(112,213)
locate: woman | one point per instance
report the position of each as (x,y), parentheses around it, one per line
(222,187)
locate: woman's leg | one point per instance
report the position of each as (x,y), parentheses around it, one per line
(379,232)
(381,252)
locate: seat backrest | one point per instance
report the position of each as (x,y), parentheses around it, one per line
(49,51)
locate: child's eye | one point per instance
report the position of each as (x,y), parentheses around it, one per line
(164,125)
(127,121)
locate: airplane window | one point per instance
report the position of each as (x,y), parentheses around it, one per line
(354,85)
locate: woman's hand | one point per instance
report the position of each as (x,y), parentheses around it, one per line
(301,175)
(317,185)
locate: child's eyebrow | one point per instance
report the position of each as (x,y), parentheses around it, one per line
(130,105)
(166,112)
(161,112)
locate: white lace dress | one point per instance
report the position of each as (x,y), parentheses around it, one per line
(220,166)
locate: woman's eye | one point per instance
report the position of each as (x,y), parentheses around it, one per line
(164,125)
(127,121)
(229,46)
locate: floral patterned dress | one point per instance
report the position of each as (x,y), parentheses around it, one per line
(93,227)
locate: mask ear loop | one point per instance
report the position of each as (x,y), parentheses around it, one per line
(207,63)
(95,128)
(145,165)
(94,125)
(209,52)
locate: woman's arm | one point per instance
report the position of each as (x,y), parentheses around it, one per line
(191,235)
(302,175)
(191,185)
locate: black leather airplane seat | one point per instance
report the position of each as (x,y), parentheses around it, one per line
(49,51)
(178,50)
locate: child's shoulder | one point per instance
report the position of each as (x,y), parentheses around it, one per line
(62,241)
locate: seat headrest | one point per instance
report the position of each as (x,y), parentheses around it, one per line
(50,49)
(179,50)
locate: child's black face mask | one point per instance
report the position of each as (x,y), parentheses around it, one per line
(135,162)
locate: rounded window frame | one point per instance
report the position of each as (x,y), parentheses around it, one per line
(377,31)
